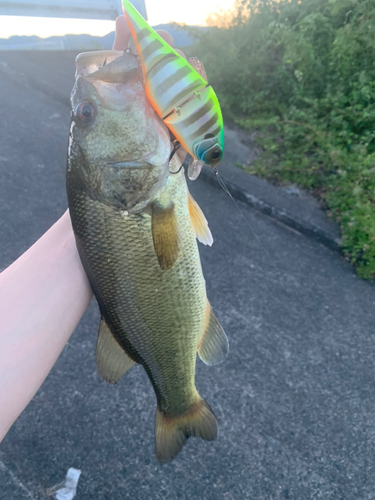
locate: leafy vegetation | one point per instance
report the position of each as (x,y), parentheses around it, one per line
(303,73)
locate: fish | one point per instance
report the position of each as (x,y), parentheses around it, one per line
(180,95)
(136,228)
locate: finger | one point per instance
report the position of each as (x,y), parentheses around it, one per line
(166,36)
(169,39)
(122,34)
(181,53)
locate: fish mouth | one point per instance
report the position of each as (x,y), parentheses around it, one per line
(129,164)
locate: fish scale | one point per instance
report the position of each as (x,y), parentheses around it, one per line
(176,311)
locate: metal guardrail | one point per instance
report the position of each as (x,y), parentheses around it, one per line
(82,9)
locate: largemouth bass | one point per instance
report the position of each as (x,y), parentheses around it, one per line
(136,228)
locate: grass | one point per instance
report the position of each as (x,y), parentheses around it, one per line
(302,73)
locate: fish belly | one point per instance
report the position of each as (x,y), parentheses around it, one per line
(157,316)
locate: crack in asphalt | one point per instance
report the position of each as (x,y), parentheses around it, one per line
(16,481)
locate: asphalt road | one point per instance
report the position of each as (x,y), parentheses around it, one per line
(295,399)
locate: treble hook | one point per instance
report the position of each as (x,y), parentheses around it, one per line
(176,147)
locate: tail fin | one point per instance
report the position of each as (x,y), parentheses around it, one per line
(171,433)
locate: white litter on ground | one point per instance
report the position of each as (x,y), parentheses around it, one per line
(69,491)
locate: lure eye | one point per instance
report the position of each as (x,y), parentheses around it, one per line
(216,155)
(209,151)
(86,112)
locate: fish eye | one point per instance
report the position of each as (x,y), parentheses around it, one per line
(85,112)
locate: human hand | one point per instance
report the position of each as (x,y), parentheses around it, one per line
(122,36)
(43,295)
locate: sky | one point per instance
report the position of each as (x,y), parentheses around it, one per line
(193,12)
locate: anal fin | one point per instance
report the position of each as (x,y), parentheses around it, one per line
(111,360)
(214,346)
(199,222)
(165,235)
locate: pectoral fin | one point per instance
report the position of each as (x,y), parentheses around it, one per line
(214,346)
(165,235)
(199,222)
(111,360)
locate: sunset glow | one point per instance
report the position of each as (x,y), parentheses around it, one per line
(193,12)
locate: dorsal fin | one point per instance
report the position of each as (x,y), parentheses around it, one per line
(214,346)
(165,234)
(199,222)
(111,360)
(198,66)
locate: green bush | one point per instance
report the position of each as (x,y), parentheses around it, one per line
(303,73)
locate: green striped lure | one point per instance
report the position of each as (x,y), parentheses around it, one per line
(179,94)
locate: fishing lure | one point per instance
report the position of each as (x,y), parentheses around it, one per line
(179,94)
